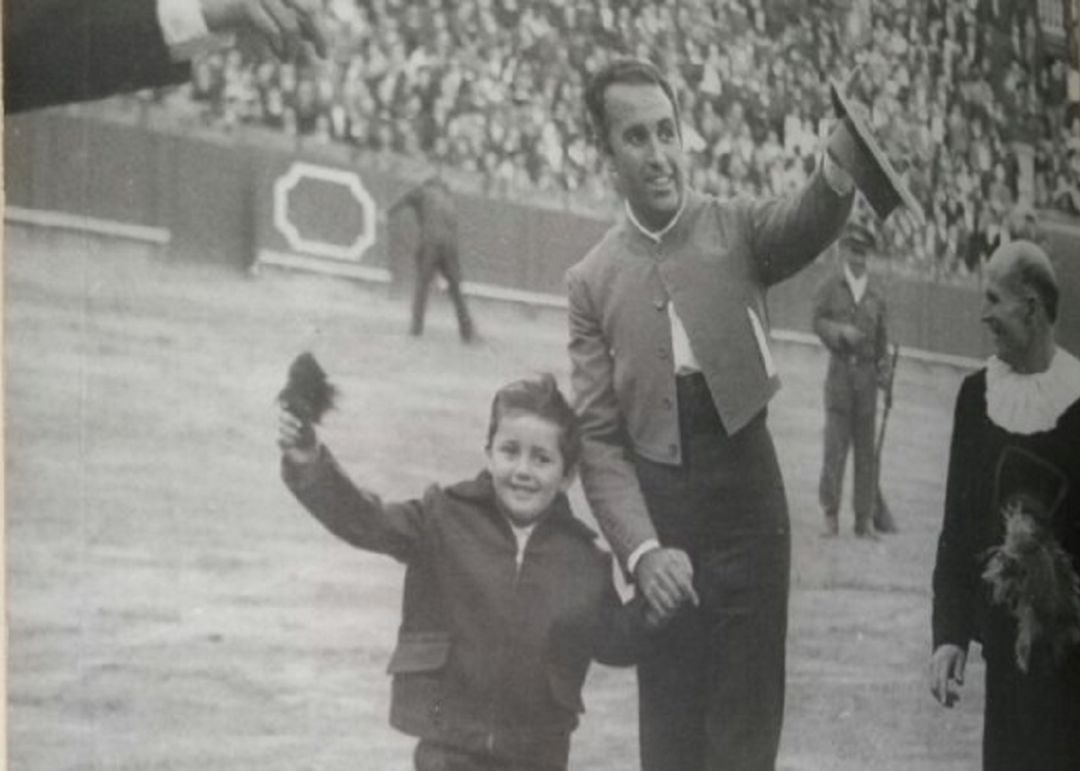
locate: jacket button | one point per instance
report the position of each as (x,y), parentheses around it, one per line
(663,354)
(668,403)
(660,304)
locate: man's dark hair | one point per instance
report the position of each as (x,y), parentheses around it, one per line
(626,71)
(541,397)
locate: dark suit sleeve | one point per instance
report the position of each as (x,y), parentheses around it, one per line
(623,635)
(59,51)
(356,516)
(956,579)
(613,633)
(788,233)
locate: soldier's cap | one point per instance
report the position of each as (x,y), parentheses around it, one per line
(858,237)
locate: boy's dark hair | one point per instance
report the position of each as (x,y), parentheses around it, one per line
(539,396)
(626,71)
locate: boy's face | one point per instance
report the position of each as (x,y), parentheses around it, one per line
(526,466)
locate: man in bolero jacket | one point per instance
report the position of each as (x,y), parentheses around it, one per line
(672,373)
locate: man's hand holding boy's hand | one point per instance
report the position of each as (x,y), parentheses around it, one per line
(666,578)
(297,438)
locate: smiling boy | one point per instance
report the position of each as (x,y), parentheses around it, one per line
(507,597)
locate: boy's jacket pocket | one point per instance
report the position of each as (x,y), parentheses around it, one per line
(420,652)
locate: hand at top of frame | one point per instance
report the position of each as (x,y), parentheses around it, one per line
(285,24)
(666,578)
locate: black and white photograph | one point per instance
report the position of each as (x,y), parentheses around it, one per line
(541,385)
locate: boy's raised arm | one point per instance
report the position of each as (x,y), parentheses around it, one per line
(355,515)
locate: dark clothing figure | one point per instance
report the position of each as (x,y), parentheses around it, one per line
(496,638)
(58,51)
(856,370)
(437,250)
(1033,717)
(711,686)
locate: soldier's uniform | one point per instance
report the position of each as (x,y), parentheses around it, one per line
(856,370)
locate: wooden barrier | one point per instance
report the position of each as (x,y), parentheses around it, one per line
(211,197)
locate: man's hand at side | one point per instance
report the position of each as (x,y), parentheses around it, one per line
(666,578)
(947,673)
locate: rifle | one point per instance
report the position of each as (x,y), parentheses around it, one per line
(882,517)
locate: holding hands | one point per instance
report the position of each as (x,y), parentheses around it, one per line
(666,578)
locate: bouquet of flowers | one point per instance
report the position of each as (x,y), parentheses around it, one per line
(1032,576)
(307,393)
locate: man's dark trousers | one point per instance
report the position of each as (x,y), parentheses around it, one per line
(442,257)
(711,687)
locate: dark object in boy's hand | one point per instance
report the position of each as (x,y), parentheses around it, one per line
(307,394)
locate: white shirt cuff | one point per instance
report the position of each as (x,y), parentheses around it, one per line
(183,27)
(838,178)
(639,552)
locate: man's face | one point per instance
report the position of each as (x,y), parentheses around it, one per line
(645,150)
(1007,313)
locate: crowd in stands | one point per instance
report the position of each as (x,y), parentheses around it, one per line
(960,92)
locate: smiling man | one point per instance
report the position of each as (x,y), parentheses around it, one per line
(672,374)
(1015,451)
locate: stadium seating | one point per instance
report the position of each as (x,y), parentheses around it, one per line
(974,113)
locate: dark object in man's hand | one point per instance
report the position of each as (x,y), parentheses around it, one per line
(307,394)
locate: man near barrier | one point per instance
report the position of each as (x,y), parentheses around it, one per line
(849,318)
(672,374)
(58,51)
(1009,551)
(436,250)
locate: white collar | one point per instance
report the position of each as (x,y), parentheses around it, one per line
(857,285)
(656,235)
(1026,404)
(522,533)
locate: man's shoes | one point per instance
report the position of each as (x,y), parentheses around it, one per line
(883,519)
(885,526)
(866,532)
(832,526)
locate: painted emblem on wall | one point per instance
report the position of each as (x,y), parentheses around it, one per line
(324,212)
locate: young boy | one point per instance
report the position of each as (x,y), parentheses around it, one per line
(507,597)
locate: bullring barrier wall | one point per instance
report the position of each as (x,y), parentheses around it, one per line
(253,198)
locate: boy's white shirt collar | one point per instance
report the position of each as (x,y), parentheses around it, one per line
(1029,403)
(522,533)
